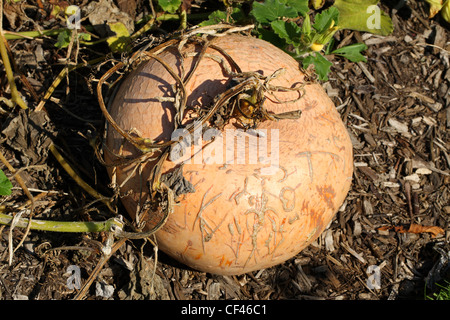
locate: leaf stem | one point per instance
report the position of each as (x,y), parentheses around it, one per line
(15,96)
(10,35)
(62,226)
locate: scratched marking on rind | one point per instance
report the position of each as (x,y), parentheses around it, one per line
(273,235)
(203,223)
(240,237)
(209,236)
(308,155)
(236,250)
(294,218)
(230,228)
(252,200)
(238,227)
(239,243)
(310,234)
(285,201)
(258,223)
(244,191)
(280,231)
(260,211)
(286,174)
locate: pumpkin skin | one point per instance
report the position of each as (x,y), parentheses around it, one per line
(240,218)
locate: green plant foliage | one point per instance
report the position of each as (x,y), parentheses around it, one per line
(321,65)
(169,5)
(442,294)
(5,184)
(270,10)
(64,37)
(300,5)
(121,39)
(288,25)
(287,30)
(221,16)
(363,15)
(326,19)
(352,52)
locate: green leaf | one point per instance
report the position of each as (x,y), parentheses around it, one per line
(289,31)
(84,36)
(118,42)
(63,39)
(271,10)
(329,47)
(306,26)
(169,5)
(321,65)
(214,18)
(445,11)
(300,5)
(270,36)
(221,16)
(324,20)
(65,36)
(325,36)
(5,184)
(352,52)
(363,15)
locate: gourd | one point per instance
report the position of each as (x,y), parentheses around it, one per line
(228,214)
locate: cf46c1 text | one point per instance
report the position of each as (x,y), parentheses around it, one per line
(231,309)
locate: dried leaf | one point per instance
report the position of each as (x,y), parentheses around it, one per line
(30,134)
(415,228)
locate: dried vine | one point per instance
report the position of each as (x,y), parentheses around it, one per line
(243,100)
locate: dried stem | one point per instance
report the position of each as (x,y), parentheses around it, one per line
(17,177)
(61,76)
(61,226)
(78,180)
(15,95)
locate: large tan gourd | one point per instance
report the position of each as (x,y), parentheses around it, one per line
(238,219)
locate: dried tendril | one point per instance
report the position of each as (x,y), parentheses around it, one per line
(243,100)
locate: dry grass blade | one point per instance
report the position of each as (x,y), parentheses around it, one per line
(15,95)
(103,260)
(22,184)
(10,235)
(63,73)
(80,181)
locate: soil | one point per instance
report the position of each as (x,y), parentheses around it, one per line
(396,107)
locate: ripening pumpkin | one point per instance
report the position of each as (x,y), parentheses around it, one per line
(240,214)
